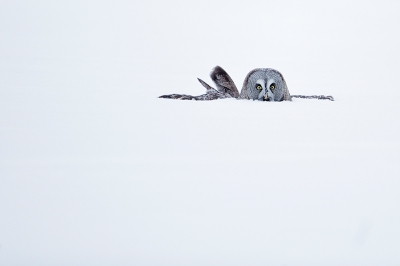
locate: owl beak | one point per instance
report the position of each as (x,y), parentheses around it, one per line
(266,98)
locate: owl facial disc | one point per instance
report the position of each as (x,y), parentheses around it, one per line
(266,93)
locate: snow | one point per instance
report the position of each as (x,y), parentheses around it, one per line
(96,170)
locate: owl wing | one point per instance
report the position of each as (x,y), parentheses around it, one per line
(225,88)
(211,94)
(223,82)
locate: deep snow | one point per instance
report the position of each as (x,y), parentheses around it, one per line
(96,170)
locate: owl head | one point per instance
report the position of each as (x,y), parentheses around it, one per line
(265,84)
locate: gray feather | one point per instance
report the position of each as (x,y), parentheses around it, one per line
(205,85)
(319,97)
(224,82)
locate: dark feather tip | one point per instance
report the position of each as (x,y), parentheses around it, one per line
(177,97)
(217,71)
(205,85)
(165,96)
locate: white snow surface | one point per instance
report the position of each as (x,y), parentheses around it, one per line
(96,170)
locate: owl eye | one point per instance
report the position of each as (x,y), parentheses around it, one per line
(272,87)
(258,87)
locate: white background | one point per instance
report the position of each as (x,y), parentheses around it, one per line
(96,170)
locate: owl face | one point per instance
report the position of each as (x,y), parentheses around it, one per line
(265,84)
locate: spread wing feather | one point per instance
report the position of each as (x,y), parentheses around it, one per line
(225,88)
(223,82)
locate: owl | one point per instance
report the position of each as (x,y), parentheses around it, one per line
(262,84)
(265,84)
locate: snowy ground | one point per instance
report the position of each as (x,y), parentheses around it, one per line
(96,170)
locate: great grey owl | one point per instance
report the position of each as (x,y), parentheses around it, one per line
(263,84)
